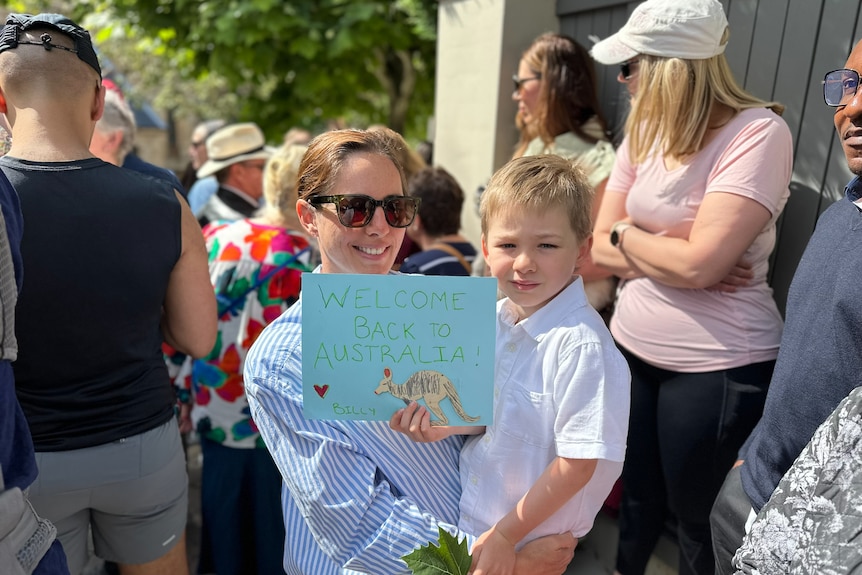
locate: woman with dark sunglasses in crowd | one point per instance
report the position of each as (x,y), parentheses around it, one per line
(559,113)
(688,223)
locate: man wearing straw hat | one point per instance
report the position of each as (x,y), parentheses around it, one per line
(237,155)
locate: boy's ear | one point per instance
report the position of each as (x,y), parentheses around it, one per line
(306,213)
(484,248)
(3,106)
(584,252)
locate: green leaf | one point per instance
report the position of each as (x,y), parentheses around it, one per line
(449,557)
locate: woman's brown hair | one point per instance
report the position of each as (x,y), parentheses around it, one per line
(568,94)
(328,152)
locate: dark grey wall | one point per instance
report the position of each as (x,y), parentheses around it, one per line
(779,50)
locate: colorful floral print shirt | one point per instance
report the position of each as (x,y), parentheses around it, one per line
(241,254)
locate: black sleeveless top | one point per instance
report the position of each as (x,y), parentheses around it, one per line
(98,248)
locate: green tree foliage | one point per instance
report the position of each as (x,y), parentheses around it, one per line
(150,70)
(280,64)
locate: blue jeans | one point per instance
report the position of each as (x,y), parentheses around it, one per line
(685,431)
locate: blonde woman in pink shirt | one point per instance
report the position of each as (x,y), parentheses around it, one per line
(688,222)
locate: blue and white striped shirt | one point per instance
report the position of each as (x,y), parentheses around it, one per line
(357,496)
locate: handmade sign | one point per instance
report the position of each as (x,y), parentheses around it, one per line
(373,343)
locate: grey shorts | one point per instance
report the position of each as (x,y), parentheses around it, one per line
(133,493)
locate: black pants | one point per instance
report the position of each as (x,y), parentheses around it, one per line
(242,529)
(729,514)
(685,431)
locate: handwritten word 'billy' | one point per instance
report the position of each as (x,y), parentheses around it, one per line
(353,410)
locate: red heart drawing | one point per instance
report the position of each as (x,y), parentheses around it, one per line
(321,390)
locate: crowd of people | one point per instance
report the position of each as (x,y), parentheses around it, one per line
(638,344)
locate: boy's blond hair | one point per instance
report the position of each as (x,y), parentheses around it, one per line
(540,183)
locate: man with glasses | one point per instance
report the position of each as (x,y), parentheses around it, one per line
(357,495)
(820,360)
(236,155)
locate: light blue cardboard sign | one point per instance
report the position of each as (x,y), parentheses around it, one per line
(370,343)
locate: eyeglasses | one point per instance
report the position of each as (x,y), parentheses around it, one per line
(356,210)
(839,86)
(520,81)
(198,144)
(626,68)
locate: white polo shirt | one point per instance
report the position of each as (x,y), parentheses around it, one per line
(561,388)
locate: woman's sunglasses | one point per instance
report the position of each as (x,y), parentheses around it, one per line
(626,68)
(356,210)
(520,81)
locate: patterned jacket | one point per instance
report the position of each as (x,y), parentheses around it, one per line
(813,521)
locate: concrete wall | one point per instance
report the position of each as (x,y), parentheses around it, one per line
(478,48)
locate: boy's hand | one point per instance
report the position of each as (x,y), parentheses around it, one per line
(415,422)
(493,554)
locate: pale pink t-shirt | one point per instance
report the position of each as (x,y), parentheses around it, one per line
(697,330)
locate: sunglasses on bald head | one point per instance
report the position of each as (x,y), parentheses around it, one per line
(356,210)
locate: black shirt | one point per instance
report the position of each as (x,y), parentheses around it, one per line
(99,246)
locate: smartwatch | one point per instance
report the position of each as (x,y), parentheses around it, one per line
(617,231)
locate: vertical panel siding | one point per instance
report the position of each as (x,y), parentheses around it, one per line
(741,17)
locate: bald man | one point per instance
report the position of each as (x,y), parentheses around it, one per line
(115,265)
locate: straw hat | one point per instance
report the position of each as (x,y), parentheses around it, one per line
(233,144)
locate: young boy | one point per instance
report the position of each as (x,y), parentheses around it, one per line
(561,387)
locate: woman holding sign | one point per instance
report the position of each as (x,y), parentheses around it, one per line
(358,496)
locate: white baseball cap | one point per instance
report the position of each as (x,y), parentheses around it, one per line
(688,29)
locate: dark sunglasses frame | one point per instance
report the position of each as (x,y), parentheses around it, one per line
(626,68)
(520,81)
(389,204)
(830,79)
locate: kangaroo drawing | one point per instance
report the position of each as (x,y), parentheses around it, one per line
(432,386)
